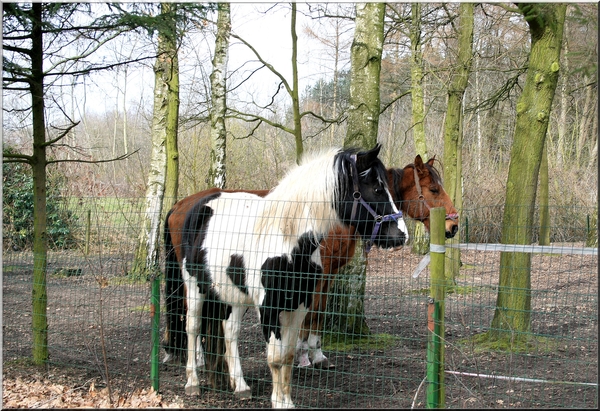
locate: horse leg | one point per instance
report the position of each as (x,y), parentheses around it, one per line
(231,327)
(199,352)
(314,342)
(302,343)
(280,357)
(317,316)
(192,327)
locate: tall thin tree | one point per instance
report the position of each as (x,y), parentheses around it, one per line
(453,125)
(218,133)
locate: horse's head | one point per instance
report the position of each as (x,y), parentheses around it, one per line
(417,188)
(367,203)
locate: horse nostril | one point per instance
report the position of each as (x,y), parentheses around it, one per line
(452,232)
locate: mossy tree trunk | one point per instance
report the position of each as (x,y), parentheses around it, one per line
(38,161)
(146,257)
(513,305)
(347,295)
(453,131)
(172,43)
(420,243)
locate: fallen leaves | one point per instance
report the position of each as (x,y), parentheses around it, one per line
(36,392)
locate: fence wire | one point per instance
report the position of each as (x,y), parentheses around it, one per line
(99,324)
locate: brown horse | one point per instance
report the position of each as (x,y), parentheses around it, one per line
(416,189)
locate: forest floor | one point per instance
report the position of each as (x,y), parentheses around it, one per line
(98,326)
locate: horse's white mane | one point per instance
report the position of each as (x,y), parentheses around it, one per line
(303,199)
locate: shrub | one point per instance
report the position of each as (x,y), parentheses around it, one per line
(17,210)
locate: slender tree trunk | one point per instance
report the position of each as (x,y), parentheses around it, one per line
(420,236)
(218,77)
(146,256)
(39,295)
(172,135)
(513,306)
(544,235)
(295,94)
(348,291)
(453,130)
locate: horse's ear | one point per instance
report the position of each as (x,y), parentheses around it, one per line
(365,159)
(419,162)
(431,160)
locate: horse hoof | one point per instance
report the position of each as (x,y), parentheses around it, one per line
(192,390)
(325,364)
(243,395)
(304,362)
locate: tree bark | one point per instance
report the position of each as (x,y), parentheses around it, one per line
(347,296)
(218,132)
(453,131)
(365,60)
(513,305)
(420,237)
(39,295)
(146,256)
(544,235)
(172,41)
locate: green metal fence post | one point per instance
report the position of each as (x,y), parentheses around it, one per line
(155,313)
(435,311)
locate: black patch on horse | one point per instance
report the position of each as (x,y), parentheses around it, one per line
(192,241)
(236,272)
(288,282)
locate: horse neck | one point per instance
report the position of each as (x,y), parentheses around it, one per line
(302,202)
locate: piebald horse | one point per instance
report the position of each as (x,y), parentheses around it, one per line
(238,249)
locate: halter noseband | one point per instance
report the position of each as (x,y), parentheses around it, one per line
(451,216)
(358,198)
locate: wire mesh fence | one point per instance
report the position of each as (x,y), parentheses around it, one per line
(99,324)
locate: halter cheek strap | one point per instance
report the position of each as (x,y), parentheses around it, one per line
(358,199)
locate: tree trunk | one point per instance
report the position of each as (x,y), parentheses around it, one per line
(453,131)
(420,236)
(513,306)
(172,135)
(544,235)
(365,60)
(218,77)
(146,256)
(39,295)
(295,94)
(348,292)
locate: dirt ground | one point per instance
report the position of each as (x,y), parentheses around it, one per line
(99,326)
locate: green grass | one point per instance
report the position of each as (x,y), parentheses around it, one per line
(344,343)
(528,343)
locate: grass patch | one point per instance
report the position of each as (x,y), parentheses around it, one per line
(419,291)
(339,342)
(65,272)
(129,279)
(484,342)
(146,308)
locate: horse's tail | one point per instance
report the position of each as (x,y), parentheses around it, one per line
(175,341)
(214,311)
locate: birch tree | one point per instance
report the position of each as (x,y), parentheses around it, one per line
(218,134)
(146,257)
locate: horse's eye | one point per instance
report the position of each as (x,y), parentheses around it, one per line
(379,190)
(434,189)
